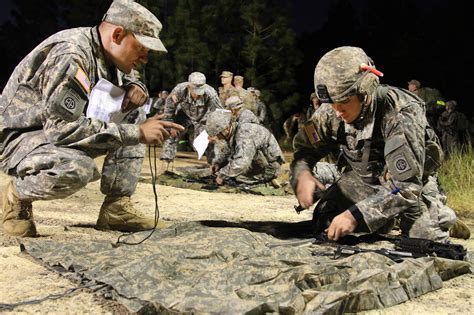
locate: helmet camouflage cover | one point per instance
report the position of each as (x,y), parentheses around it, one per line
(217,122)
(341,71)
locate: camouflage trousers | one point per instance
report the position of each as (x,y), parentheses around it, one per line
(259,174)
(430,218)
(51,172)
(43,171)
(170,147)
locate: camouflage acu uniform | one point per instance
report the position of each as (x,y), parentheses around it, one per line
(157,106)
(453,127)
(194,112)
(254,155)
(248,99)
(48,145)
(262,112)
(224,93)
(247,116)
(391,155)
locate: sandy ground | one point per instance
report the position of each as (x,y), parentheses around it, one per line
(22,279)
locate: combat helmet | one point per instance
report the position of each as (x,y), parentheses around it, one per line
(217,122)
(343,72)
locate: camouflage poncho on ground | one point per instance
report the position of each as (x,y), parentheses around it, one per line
(220,267)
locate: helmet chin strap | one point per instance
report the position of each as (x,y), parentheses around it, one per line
(365,103)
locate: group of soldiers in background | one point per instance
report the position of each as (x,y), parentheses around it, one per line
(451,126)
(241,148)
(190,103)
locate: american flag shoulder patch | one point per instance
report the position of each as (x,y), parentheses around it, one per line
(311,132)
(83,80)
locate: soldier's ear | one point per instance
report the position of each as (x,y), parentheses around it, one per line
(118,34)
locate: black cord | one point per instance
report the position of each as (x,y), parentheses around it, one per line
(54,296)
(153,171)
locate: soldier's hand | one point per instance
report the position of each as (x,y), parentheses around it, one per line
(174,133)
(219,180)
(153,130)
(305,188)
(341,225)
(214,168)
(134,98)
(174,97)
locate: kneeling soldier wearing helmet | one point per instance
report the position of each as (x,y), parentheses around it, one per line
(388,154)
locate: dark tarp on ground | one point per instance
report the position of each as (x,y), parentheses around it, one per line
(199,178)
(200,267)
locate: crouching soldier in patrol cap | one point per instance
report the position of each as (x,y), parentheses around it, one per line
(48,146)
(254,156)
(390,151)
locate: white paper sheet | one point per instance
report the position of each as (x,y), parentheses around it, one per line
(147,106)
(200,143)
(105,102)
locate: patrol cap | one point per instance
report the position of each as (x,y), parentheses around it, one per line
(218,121)
(138,20)
(257,92)
(226,74)
(198,81)
(239,78)
(251,89)
(415,83)
(452,104)
(234,102)
(342,72)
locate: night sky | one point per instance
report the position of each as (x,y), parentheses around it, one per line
(310,17)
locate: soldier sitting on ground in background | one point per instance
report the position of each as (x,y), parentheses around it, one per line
(254,154)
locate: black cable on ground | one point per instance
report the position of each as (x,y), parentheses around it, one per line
(153,171)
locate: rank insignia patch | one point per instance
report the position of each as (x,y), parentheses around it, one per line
(311,132)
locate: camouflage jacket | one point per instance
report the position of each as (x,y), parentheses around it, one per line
(49,90)
(248,99)
(224,94)
(157,105)
(246,116)
(195,110)
(398,150)
(261,111)
(245,145)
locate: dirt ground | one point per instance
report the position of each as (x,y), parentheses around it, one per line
(22,279)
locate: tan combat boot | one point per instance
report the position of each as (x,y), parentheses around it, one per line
(17,214)
(460,230)
(275,183)
(118,213)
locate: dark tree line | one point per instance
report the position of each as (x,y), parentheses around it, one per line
(408,39)
(254,38)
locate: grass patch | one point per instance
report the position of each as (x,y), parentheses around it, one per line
(456,175)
